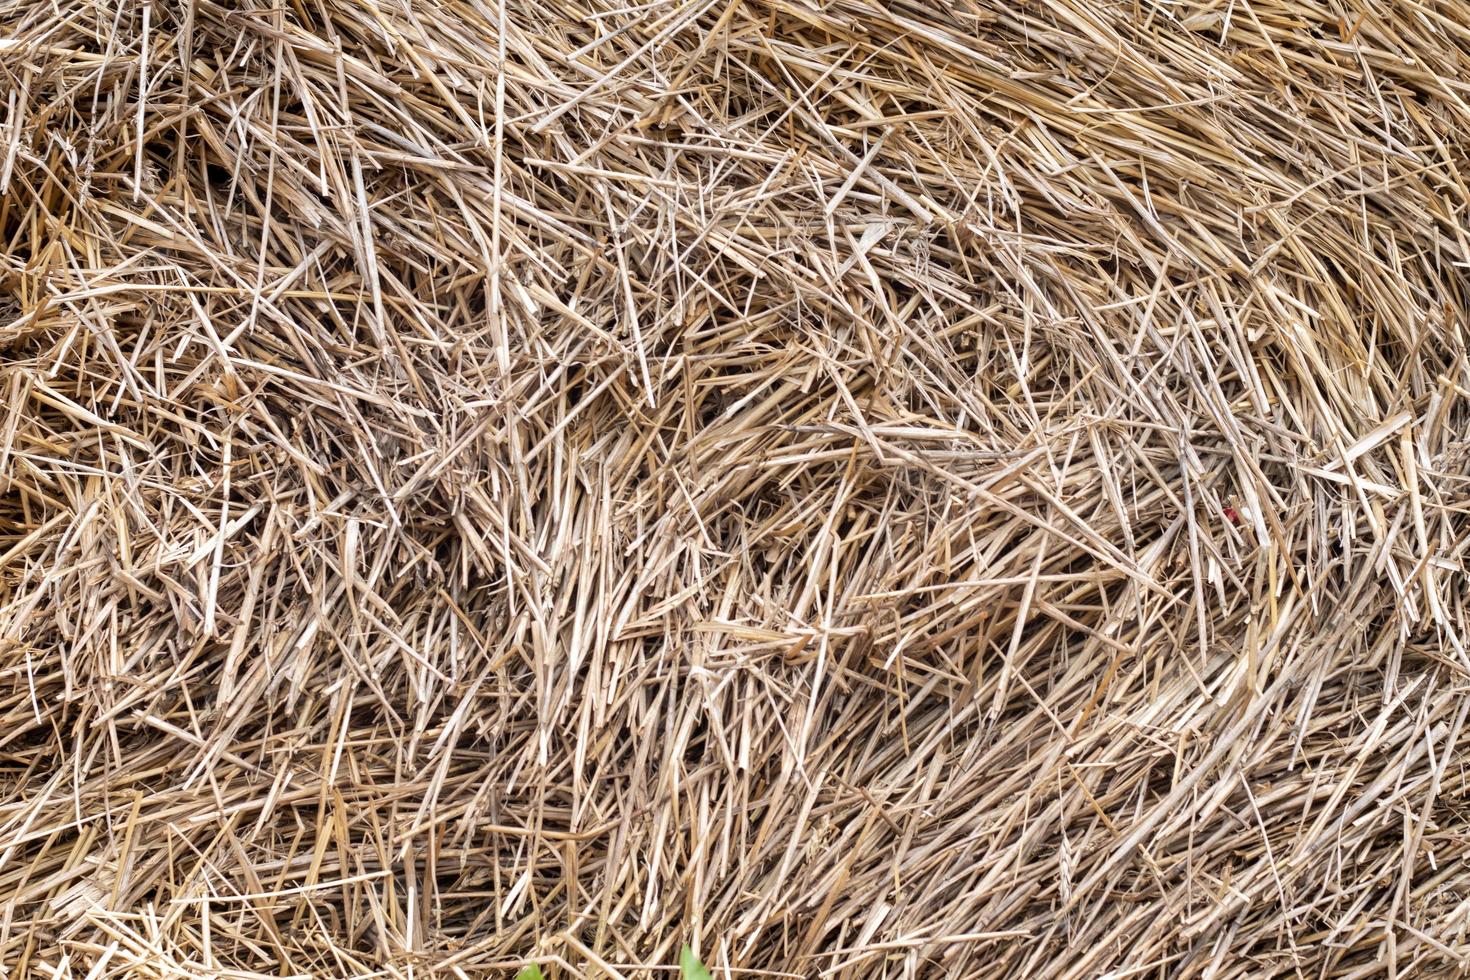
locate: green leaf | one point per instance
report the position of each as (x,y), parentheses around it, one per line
(530,972)
(689,966)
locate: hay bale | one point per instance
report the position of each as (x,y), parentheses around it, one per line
(867,489)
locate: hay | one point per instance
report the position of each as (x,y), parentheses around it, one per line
(866,488)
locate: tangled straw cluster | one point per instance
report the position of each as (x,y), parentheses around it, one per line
(867,488)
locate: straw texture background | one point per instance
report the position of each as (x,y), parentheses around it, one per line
(866,488)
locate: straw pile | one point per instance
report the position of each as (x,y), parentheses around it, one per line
(867,488)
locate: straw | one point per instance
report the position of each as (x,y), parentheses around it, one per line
(863,489)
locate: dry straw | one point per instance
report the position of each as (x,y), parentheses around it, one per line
(867,488)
